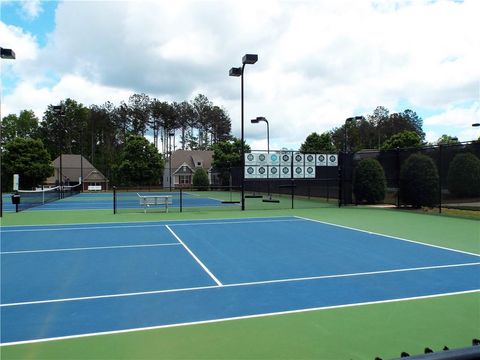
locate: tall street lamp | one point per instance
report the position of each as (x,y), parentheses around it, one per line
(4,54)
(347,121)
(256,121)
(170,136)
(239,71)
(59,110)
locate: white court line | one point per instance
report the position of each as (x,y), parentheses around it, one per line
(203,222)
(202,322)
(86,248)
(310,278)
(389,236)
(195,257)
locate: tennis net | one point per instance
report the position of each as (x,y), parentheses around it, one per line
(32,198)
(71,190)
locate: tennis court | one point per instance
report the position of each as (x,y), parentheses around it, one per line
(76,280)
(127,201)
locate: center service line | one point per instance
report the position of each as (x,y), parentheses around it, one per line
(194,256)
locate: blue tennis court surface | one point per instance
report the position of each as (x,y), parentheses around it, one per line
(125,200)
(75,280)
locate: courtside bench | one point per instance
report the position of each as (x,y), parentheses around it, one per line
(155,200)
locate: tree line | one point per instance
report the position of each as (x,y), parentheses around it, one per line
(380,130)
(101,132)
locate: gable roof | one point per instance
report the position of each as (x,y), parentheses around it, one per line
(71,166)
(192,158)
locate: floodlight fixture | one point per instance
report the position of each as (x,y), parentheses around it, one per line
(256,121)
(349,120)
(7,53)
(4,54)
(476,124)
(238,72)
(249,59)
(235,71)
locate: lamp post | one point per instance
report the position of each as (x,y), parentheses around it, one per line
(256,121)
(347,121)
(4,54)
(239,71)
(59,110)
(170,136)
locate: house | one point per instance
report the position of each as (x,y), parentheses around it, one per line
(183,166)
(72,168)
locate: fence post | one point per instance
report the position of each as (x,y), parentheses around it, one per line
(181,199)
(440,178)
(398,177)
(340,165)
(114,200)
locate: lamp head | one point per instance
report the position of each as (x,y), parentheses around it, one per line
(59,110)
(354,118)
(235,71)
(249,59)
(476,124)
(7,53)
(258,119)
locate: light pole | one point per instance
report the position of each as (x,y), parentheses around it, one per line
(256,121)
(239,71)
(59,110)
(347,121)
(4,54)
(170,136)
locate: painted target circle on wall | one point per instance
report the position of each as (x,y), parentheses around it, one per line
(273,157)
(310,170)
(285,170)
(273,170)
(298,170)
(262,170)
(298,158)
(332,158)
(310,158)
(250,170)
(286,158)
(262,157)
(250,157)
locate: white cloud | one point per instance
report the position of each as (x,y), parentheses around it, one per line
(319,61)
(27,96)
(454,122)
(31,8)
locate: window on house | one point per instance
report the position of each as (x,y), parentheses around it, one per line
(185,179)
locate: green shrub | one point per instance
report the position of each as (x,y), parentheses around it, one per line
(419,181)
(464,175)
(369,183)
(200,179)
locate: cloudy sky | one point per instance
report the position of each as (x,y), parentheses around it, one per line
(319,61)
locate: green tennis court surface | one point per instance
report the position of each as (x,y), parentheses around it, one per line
(364,331)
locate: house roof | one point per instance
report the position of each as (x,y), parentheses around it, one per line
(192,158)
(71,166)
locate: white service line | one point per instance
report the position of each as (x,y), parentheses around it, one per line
(201,322)
(389,236)
(253,283)
(195,257)
(86,248)
(140,225)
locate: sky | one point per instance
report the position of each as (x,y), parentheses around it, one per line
(319,61)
